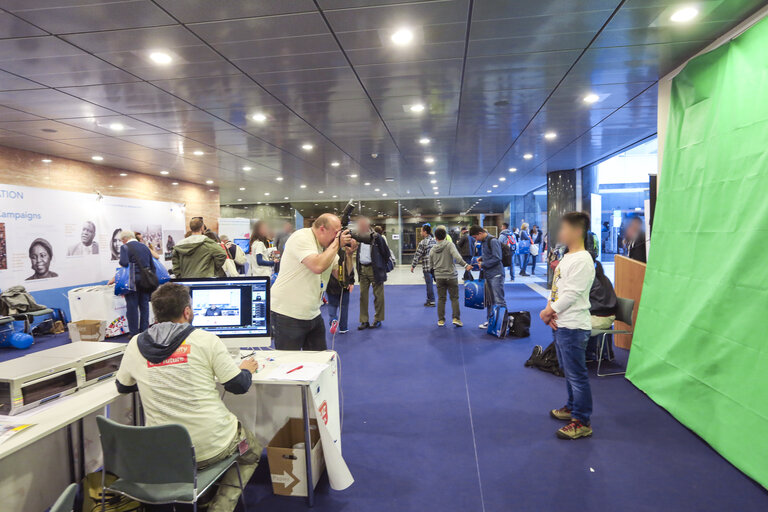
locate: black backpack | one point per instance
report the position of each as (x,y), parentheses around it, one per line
(148,281)
(520,324)
(545,360)
(506,255)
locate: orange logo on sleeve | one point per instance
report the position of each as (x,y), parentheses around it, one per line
(179,356)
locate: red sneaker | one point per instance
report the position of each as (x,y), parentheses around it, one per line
(334,326)
(574,430)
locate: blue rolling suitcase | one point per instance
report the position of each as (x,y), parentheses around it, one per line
(474,294)
(498,323)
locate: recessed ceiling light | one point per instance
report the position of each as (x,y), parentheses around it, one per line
(321,191)
(198,152)
(384,194)
(432,173)
(376,189)
(550,135)
(367,183)
(164,173)
(279,178)
(286,197)
(685,14)
(211,190)
(175,183)
(495,185)
(247,168)
(209,182)
(512,169)
(46,160)
(302,186)
(242,188)
(97,158)
(307,147)
(436,193)
(335,164)
(402,36)
(435,188)
(353,175)
(239,199)
(429,160)
(123,174)
(160,58)
(424,141)
(527,156)
(116,127)
(259,117)
(502,179)
(417,107)
(591,98)
(335,196)
(433,181)
(266,193)
(389,179)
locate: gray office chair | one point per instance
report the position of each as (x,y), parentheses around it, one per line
(624,310)
(66,502)
(156,465)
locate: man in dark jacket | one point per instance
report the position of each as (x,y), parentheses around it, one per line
(492,268)
(372,261)
(635,239)
(137,302)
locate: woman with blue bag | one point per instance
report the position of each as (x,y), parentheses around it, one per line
(524,248)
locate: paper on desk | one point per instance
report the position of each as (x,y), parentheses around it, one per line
(297,371)
(8,430)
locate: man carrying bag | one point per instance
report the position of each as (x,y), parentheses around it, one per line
(134,253)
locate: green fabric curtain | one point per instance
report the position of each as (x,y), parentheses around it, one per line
(700,348)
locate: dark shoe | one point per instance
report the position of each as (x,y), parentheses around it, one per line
(574,430)
(429,304)
(562,413)
(363,325)
(376,324)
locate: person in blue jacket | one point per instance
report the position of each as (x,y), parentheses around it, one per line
(136,302)
(490,263)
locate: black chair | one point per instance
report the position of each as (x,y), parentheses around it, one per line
(624,310)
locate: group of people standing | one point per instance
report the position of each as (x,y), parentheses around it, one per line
(525,244)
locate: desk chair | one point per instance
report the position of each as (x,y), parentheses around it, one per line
(157,465)
(66,502)
(624,310)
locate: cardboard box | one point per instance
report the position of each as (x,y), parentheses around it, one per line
(287,464)
(87,330)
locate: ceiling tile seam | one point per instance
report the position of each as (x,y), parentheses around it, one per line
(467,32)
(209,45)
(131,116)
(552,92)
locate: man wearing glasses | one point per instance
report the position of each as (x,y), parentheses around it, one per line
(305,268)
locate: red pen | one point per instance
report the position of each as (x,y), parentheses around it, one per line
(297,368)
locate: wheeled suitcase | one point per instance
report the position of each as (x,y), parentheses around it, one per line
(474,294)
(498,323)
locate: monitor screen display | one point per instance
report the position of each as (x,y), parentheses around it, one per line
(231,307)
(244,244)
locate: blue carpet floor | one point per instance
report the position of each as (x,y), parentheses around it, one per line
(449,420)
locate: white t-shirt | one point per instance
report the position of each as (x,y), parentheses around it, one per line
(298,291)
(182,389)
(570,290)
(255,269)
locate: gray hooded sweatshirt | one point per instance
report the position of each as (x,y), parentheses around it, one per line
(443,258)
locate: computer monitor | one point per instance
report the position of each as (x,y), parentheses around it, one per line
(244,244)
(236,309)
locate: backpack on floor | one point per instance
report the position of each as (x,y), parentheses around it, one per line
(545,360)
(474,294)
(498,323)
(520,324)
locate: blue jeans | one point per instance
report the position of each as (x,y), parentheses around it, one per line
(137,311)
(571,345)
(494,287)
(333,309)
(430,288)
(523,263)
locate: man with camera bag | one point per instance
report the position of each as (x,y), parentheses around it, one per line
(373,260)
(305,269)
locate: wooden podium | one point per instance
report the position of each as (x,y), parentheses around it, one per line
(628,283)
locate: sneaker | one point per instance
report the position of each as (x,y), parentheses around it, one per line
(562,413)
(344,331)
(574,430)
(334,326)
(429,304)
(483,325)
(441,323)
(457,322)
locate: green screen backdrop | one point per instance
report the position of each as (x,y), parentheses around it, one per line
(700,348)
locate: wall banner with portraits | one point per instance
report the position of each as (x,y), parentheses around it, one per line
(55,239)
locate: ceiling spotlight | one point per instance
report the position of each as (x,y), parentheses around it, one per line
(123,174)
(418,107)
(302,186)
(685,14)
(307,147)
(239,199)
(495,185)
(429,160)
(209,182)
(211,190)
(160,58)
(527,156)
(433,181)
(286,198)
(435,188)
(335,164)
(402,36)
(279,178)
(376,189)
(259,117)
(390,180)
(266,193)
(247,168)
(512,169)
(353,175)
(502,179)
(46,160)
(175,183)
(335,196)
(431,173)
(242,188)
(384,194)
(116,127)
(97,158)
(198,152)
(367,183)
(436,193)
(550,135)
(424,141)
(321,191)
(591,98)
(164,173)
(488,191)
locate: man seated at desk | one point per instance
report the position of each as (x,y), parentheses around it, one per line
(175,367)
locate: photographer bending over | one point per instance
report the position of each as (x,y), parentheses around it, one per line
(305,269)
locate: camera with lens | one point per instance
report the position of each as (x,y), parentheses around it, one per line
(361,238)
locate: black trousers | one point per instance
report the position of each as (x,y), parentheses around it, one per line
(293,334)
